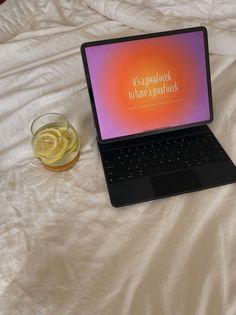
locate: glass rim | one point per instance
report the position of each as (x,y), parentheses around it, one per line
(47,114)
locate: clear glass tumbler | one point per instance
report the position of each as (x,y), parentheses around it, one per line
(55,141)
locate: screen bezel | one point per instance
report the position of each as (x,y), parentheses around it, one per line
(138,37)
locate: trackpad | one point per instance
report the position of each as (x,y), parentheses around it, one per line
(175,183)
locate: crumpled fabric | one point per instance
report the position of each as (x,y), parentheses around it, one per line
(63,248)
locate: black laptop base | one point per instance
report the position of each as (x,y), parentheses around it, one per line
(164,165)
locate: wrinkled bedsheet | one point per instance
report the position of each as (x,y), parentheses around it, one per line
(63,248)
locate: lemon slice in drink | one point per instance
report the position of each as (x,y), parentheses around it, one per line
(50,145)
(57,153)
(45,141)
(72,138)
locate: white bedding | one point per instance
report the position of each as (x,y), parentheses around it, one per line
(63,248)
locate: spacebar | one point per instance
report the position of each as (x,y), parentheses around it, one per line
(163,169)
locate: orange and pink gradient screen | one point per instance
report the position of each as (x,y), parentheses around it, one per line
(148,84)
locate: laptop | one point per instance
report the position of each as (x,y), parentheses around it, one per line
(151,101)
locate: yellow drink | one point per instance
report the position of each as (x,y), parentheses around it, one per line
(57,145)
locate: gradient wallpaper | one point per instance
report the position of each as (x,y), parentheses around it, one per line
(148,84)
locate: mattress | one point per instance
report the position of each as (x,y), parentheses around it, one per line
(63,248)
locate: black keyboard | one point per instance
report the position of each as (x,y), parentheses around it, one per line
(161,156)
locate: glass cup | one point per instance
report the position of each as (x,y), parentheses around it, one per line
(55,142)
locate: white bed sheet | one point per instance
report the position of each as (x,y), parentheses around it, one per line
(63,248)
